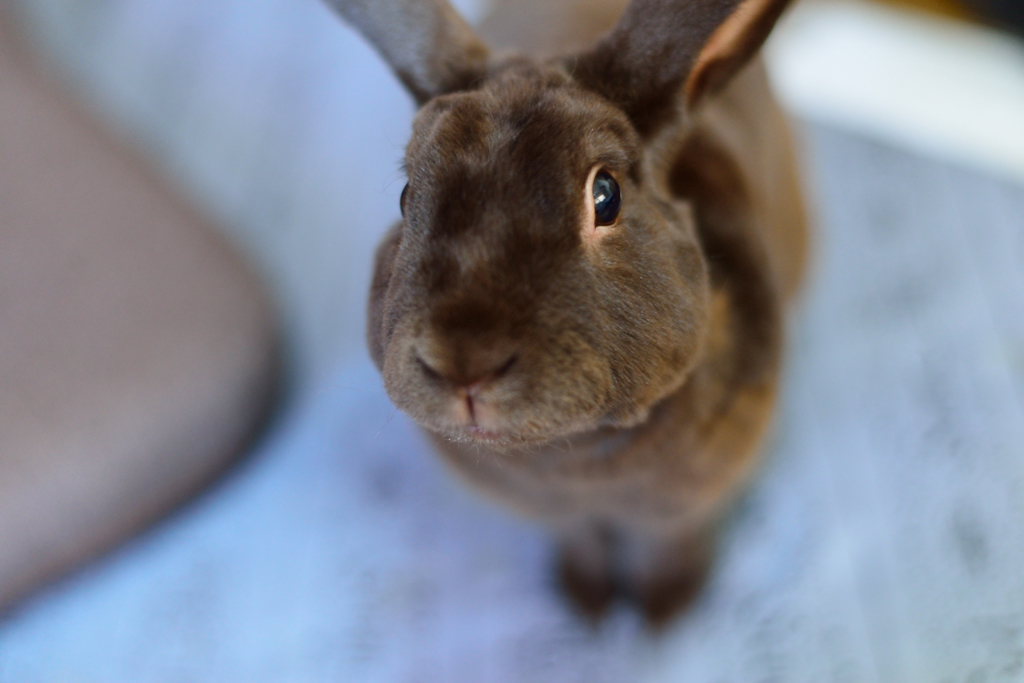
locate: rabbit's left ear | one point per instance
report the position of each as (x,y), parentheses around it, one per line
(429,46)
(661,48)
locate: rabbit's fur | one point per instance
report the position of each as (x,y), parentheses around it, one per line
(614,382)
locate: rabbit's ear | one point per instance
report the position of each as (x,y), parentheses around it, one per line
(431,48)
(662,47)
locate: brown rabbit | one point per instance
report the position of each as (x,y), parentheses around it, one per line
(584,301)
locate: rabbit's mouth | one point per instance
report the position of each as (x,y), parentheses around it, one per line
(480,436)
(482,425)
(490,439)
(489,425)
(476,419)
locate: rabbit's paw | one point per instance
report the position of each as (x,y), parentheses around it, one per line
(671,574)
(663,598)
(590,589)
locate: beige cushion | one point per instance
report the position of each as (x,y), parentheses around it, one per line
(137,351)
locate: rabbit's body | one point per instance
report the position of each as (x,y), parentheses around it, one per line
(616,384)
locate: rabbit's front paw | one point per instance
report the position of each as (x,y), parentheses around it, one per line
(585,570)
(671,575)
(664,597)
(589,589)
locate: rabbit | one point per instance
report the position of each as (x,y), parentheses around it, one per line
(584,302)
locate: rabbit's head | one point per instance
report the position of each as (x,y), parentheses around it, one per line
(543,281)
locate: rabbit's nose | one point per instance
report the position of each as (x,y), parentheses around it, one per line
(468,371)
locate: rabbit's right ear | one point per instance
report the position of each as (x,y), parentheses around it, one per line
(661,48)
(431,48)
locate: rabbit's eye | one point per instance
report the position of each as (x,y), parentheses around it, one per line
(401,200)
(606,199)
